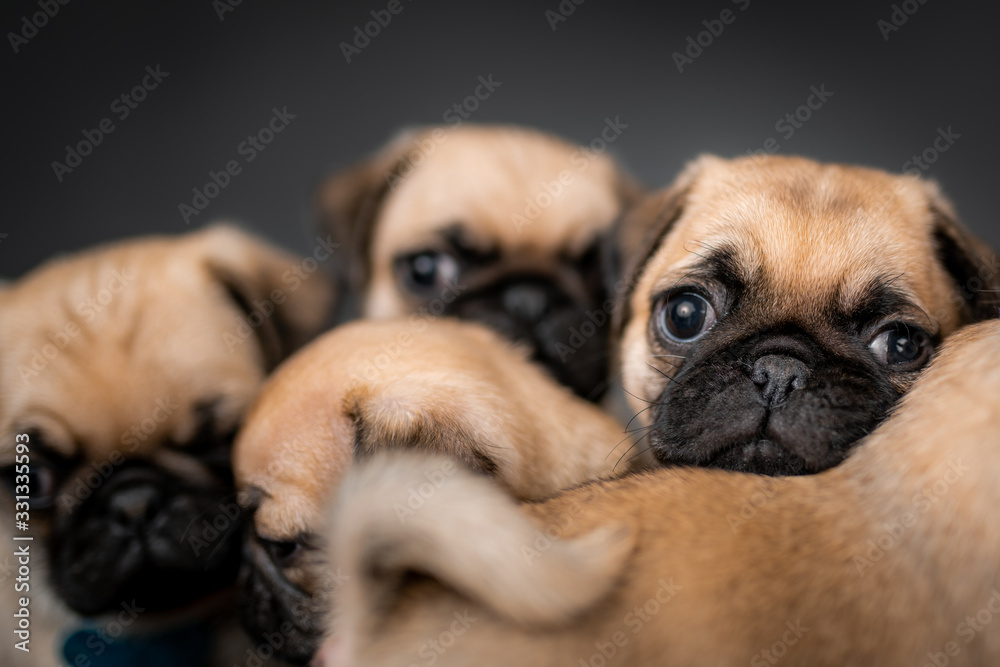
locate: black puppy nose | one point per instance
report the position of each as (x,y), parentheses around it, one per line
(526,301)
(133,505)
(777,376)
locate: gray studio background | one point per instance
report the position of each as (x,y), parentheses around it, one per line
(890,97)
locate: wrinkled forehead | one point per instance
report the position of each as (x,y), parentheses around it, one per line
(811,239)
(520,192)
(92,354)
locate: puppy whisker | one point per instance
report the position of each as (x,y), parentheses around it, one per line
(636,416)
(639,398)
(615,467)
(663,374)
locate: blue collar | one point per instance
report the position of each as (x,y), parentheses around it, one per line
(187,645)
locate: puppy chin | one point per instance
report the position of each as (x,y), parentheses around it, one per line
(271,605)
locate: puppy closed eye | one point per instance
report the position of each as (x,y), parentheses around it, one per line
(902,347)
(280,551)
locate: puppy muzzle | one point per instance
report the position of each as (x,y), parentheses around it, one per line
(771,404)
(567,332)
(144,535)
(271,606)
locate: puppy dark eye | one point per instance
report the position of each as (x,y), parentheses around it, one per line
(902,346)
(35,480)
(685,316)
(425,271)
(281,552)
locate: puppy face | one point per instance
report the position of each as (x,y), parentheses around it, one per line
(127,370)
(435,385)
(780,307)
(494,224)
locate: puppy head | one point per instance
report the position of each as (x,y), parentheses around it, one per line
(126,371)
(436,385)
(779,307)
(495,224)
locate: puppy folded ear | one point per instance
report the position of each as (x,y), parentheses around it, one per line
(640,230)
(384,420)
(470,537)
(261,281)
(348,203)
(970,261)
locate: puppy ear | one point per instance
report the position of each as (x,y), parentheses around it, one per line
(640,231)
(348,203)
(256,277)
(470,537)
(385,420)
(970,261)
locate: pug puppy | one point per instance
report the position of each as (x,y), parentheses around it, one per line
(126,371)
(433,385)
(774,308)
(500,225)
(889,559)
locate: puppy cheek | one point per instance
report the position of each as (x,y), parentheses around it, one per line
(642,384)
(383,300)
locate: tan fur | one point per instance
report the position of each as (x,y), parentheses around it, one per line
(724,565)
(482,177)
(419,383)
(85,356)
(813,228)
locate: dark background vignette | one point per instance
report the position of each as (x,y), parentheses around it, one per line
(891,97)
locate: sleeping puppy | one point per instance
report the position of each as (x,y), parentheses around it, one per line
(125,371)
(433,385)
(500,225)
(776,308)
(889,559)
